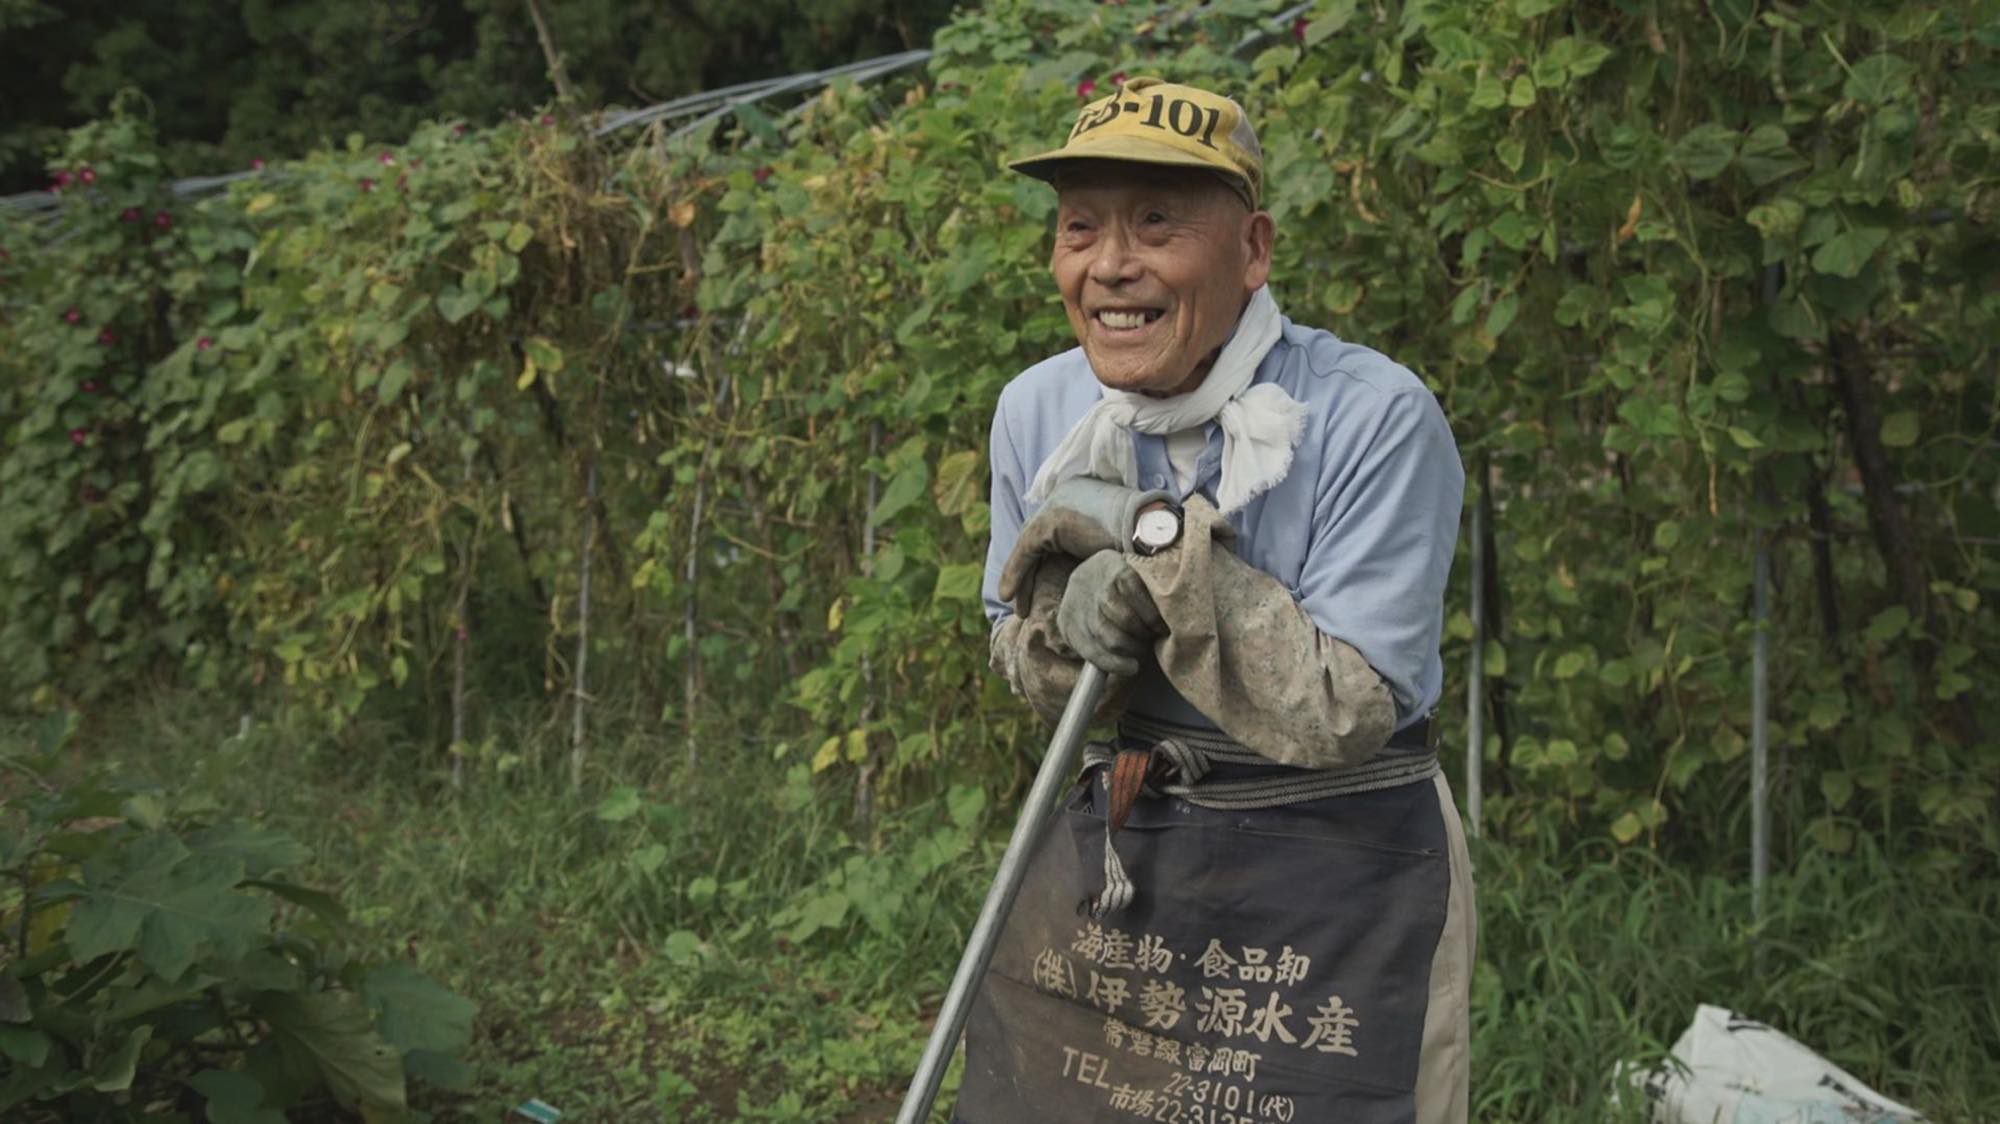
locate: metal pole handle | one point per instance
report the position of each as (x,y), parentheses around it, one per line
(1057,767)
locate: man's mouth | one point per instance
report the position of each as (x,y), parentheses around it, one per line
(1125,319)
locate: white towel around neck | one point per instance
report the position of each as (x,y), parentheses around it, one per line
(1260,424)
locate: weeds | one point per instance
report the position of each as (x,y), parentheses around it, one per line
(710,946)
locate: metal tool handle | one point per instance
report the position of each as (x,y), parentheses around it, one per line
(1057,767)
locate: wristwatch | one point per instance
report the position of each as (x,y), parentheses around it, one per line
(1157,528)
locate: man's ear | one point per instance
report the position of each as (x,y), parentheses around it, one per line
(1259,232)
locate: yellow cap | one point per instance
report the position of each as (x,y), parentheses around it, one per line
(1152,121)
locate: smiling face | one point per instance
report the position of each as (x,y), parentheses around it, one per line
(1154,264)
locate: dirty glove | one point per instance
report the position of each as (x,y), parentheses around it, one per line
(1028,648)
(1107,615)
(1243,651)
(1081,517)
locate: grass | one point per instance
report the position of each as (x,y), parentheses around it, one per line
(721,945)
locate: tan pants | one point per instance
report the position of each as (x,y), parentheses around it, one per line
(1444,1068)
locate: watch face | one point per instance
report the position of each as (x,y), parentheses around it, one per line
(1158,529)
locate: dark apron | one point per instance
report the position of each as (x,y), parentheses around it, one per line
(1274,967)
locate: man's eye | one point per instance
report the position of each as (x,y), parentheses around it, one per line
(1156,216)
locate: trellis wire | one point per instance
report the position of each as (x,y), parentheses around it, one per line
(705,106)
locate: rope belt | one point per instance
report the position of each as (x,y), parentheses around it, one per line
(1179,758)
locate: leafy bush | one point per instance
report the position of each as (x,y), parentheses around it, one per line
(1689,282)
(159,964)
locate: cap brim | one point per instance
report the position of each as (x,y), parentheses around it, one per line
(1132,150)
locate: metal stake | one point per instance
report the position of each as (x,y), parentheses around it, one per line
(1475,684)
(1760,742)
(1057,767)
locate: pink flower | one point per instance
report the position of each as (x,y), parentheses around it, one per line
(761,174)
(402,182)
(388,158)
(458,130)
(79,436)
(367,184)
(73,315)
(548,118)
(1299,28)
(107,336)
(1086,88)
(257,165)
(163,220)
(130,214)
(62,180)
(1118,79)
(90,386)
(203,344)
(462,636)
(87,176)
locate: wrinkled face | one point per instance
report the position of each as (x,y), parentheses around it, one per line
(1154,265)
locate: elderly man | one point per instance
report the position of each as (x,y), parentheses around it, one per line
(1257,906)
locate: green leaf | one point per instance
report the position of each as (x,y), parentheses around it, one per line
(1879,79)
(26,1045)
(1328,18)
(902,490)
(1521,94)
(114,1072)
(1627,827)
(518,236)
(1887,625)
(1705,150)
(1571,664)
(455,304)
(414,1012)
(321,904)
(966,802)
(234,1098)
(682,948)
(1826,710)
(1767,155)
(1502,314)
(1837,786)
(1901,429)
(650,858)
(959,582)
(260,850)
(1845,254)
(618,805)
(1744,438)
(171,906)
(333,1031)
(1780,218)
(394,380)
(547,356)
(959,477)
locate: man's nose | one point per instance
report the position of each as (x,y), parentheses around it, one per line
(1114,262)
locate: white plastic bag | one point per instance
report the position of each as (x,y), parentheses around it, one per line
(1734,1070)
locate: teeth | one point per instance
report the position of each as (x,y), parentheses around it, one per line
(1112,319)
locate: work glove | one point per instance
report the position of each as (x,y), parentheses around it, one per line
(1081,517)
(1107,615)
(1238,646)
(1028,648)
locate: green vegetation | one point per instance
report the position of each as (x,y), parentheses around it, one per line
(230,83)
(592,528)
(718,946)
(148,971)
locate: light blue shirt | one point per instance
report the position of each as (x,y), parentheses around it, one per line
(1361,530)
